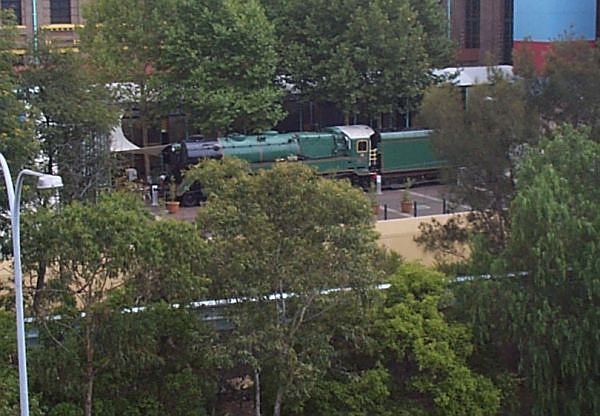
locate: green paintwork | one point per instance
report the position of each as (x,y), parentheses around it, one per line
(329,152)
(407,151)
(268,147)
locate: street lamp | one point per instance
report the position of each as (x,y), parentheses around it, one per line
(45,181)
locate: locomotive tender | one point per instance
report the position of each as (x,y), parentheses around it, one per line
(354,152)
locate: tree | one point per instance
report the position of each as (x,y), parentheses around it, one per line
(409,358)
(565,89)
(219,64)
(159,361)
(99,245)
(74,122)
(9,377)
(17,142)
(124,41)
(539,316)
(286,231)
(369,58)
(481,139)
(112,248)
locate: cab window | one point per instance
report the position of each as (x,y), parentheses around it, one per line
(362,146)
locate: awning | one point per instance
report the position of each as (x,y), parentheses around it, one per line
(472,75)
(120,144)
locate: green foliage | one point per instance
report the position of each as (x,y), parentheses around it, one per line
(405,357)
(174,260)
(74,121)
(287,230)
(218,62)
(99,244)
(157,362)
(9,376)
(124,38)
(216,175)
(356,394)
(103,257)
(543,324)
(566,90)
(415,331)
(17,142)
(366,57)
(123,42)
(482,149)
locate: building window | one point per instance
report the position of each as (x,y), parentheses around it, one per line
(60,11)
(472,24)
(15,6)
(508,31)
(597,19)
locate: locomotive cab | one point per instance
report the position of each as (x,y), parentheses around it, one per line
(361,155)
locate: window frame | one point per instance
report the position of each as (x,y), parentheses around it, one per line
(472,24)
(60,12)
(16,6)
(358,145)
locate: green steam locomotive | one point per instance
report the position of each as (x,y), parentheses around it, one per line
(355,152)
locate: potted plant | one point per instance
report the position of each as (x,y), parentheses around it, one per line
(406,205)
(172,204)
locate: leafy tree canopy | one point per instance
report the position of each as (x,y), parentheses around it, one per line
(75,116)
(9,376)
(565,90)
(482,139)
(218,64)
(286,230)
(410,360)
(367,57)
(541,314)
(103,257)
(17,142)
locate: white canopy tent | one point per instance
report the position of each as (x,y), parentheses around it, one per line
(120,144)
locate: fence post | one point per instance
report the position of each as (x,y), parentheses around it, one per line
(415,208)
(444,206)
(385,211)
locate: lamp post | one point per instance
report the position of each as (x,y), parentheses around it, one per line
(45,181)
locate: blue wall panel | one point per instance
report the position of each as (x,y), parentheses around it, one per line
(546,20)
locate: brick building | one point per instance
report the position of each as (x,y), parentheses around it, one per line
(487,31)
(482,30)
(56,20)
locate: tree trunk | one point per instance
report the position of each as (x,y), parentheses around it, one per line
(278,401)
(257,392)
(144,120)
(144,144)
(89,371)
(39,286)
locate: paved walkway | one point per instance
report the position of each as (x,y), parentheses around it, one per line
(185,214)
(429,199)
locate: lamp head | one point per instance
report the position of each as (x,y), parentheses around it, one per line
(49,182)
